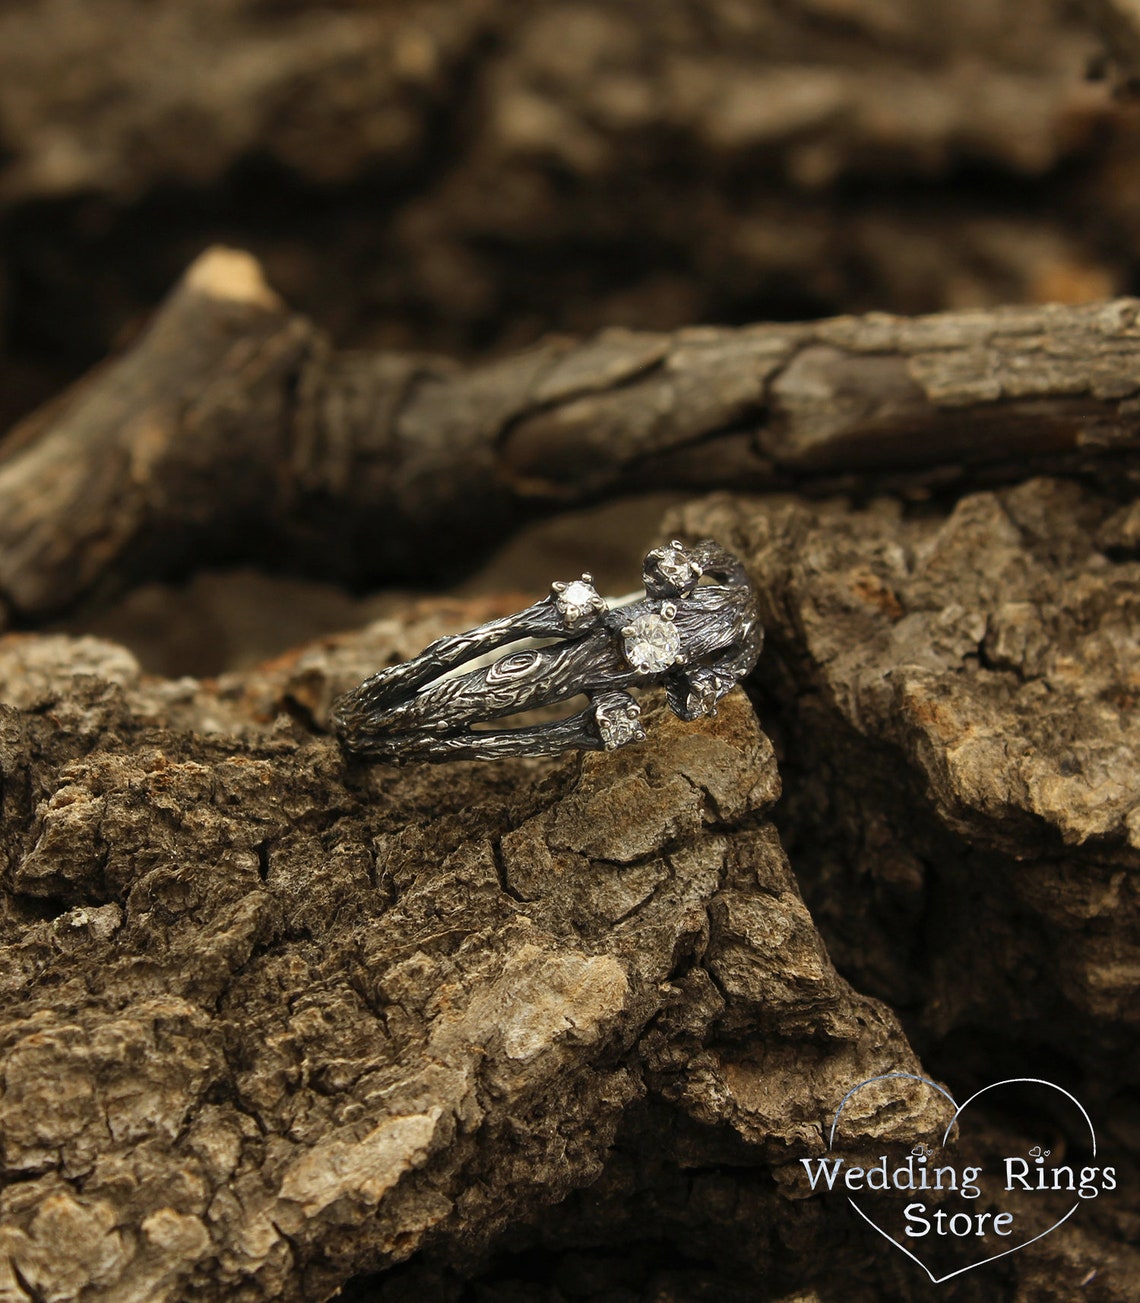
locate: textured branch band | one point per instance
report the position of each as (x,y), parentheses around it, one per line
(696,630)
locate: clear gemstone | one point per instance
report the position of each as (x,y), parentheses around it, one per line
(652,643)
(672,567)
(701,700)
(706,687)
(619,720)
(676,566)
(577,601)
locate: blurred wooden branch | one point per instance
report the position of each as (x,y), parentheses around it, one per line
(333,94)
(1119,20)
(231,429)
(460,174)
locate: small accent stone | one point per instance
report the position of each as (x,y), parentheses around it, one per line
(652,643)
(671,568)
(578,601)
(619,720)
(701,701)
(706,687)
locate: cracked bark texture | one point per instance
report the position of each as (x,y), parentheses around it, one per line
(953,694)
(270,1021)
(231,430)
(992,654)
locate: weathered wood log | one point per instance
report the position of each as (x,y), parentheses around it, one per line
(954,699)
(268,1020)
(232,430)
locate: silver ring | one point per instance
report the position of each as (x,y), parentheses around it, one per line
(696,630)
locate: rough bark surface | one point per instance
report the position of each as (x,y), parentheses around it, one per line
(954,699)
(231,430)
(269,1021)
(952,694)
(992,655)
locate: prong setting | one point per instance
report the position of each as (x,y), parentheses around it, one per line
(671,571)
(651,643)
(454,700)
(618,717)
(579,603)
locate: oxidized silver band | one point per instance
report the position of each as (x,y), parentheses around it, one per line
(697,631)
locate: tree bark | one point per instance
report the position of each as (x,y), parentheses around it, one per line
(270,1021)
(334,94)
(231,430)
(989,654)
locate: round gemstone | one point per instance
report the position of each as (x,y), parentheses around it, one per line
(676,566)
(652,643)
(670,569)
(577,601)
(701,700)
(619,722)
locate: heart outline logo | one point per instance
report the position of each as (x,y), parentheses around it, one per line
(958,1110)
